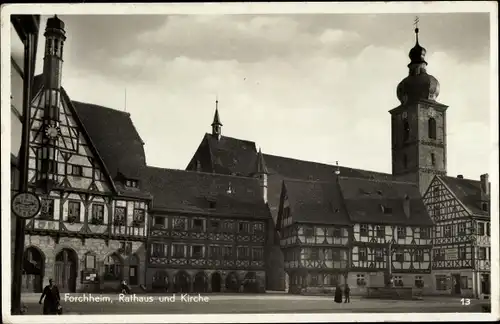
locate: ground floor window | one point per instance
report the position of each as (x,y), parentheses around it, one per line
(112,268)
(398,281)
(441,282)
(419,282)
(360,280)
(463,282)
(314,280)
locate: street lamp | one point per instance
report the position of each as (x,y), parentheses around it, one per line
(25,205)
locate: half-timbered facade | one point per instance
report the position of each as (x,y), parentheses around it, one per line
(314,235)
(208,232)
(91,229)
(461,237)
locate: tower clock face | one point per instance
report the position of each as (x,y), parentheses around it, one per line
(432,113)
(52,132)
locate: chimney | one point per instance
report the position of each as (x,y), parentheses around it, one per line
(485,184)
(460,176)
(406,206)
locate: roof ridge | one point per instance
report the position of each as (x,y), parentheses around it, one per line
(102,107)
(308,181)
(234,138)
(380,180)
(200,172)
(461,179)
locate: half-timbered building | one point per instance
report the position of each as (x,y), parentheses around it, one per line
(462,235)
(84,163)
(208,232)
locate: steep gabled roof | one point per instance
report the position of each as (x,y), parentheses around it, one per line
(179,190)
(231,155)
(468,192)
(281,168)
(364,199)
(316,202)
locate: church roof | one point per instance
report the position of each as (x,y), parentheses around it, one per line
(382,201)
(189,191)
(316,202)
(468,192)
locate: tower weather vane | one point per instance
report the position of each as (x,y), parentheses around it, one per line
(415,22)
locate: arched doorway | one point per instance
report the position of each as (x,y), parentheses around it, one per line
(216,281)
(133,270)
(160,281)
(232,282)
(181,282)
(200,283)
(113,268)
(250,284)
(65,270)
(33,270)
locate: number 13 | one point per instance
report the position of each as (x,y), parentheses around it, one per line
(465,301)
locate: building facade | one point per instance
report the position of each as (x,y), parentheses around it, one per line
(462,235)
(208,232)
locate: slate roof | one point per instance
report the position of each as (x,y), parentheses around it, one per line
(363,199)
(468,192)
(190,191)
(281,168)
(231,155)
(316,202)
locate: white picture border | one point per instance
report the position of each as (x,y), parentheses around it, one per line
(246,8)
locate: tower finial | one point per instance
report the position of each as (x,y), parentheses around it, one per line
(337,171)
(415,23)
(216,124)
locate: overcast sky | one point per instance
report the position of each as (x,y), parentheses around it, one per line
(315,87)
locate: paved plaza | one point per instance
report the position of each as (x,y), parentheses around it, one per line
(265,303)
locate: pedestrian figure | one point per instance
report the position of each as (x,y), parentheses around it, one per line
(51,303)
(347,292)
(338,294)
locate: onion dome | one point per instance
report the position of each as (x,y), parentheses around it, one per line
(418,84)
(55,23)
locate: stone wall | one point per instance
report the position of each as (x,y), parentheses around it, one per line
(48,247)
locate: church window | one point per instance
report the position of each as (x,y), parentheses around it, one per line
(405,161)
(119,219)
(74,211)
(113,268)
(47,210)
(432,128)
(76,170)
(406,129)
(433,159)
(97,214)
(362,254)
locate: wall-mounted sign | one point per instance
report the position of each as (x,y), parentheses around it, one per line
(451,254)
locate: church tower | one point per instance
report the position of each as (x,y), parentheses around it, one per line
(418,124)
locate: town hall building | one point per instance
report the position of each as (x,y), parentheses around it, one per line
(240,220)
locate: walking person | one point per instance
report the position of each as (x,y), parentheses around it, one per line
(51,303)
(347,292)
(338,295)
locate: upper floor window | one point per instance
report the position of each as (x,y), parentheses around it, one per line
(243,253)
(158,250)
(139,216)
(197,251)
(462,228)
(244,227)
(418,256)
(74,211)
(258,227)
(380,231)
(98,175)
(214,225)
(448,231)
(76,170)
(461,253)
(481,253)
(363,254)
(424,233)
(47,210)
(337,232)
(480,228)
(179,223)
(399,255)
(433,159)
(406,129)
(401,231)
(159,221)
(379,254)
(120,216)
(257,254)
(432,128)
(131,183)
(435,192)
(198,224)
(178,251)
(363,230)
(97,214)
(308,231)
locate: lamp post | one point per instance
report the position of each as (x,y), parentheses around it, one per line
(27,27)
